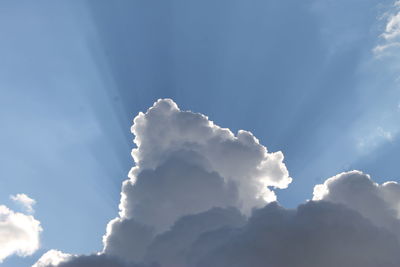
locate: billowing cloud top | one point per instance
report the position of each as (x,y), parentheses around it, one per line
(166,135)
(201,196)
(52,258)
(185,164)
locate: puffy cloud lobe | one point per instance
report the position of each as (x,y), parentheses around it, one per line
(19,233)
(171,248)
(129,238)
(52,258)
(185,164)
(379,203)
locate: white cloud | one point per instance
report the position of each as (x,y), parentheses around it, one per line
(19,233)
(185,164)
(378,202)
(52,257)
(391,34)
(25,201)
(392,30)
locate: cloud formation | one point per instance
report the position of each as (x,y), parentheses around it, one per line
(25,201)
(174,247)
(201,196)
(391,34)
(52,258)
(356,190)
(55,258)
(313,235)
(185,164)
(19,233)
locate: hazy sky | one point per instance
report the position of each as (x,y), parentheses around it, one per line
(316,79)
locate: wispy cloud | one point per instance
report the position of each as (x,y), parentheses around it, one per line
(375,138)
(25,201)
(391,35)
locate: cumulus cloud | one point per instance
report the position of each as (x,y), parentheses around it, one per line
(185,164)
(25,201)
(199,195)
(19,233)
(356,190)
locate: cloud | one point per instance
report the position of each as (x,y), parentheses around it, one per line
(313,235)
(52,258)
(391,34)
(19,233)
(96,260)
(356,190)
(185,164)
(201,196)
(392,30)
(127,238)
(316,234)
(375,138)
(172,247)
(25,201)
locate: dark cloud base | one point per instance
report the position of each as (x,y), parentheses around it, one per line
(313,235)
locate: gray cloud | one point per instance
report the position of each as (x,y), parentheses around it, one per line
(164,130)
(185,164)
(129,238)
(356,190)
(198,196)
(315,234)
(172,247)
(101,260)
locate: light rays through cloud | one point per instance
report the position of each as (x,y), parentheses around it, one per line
(318,80)
(57,120)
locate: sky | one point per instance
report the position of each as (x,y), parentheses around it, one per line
(317,80)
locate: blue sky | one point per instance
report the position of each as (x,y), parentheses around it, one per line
(304,77)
